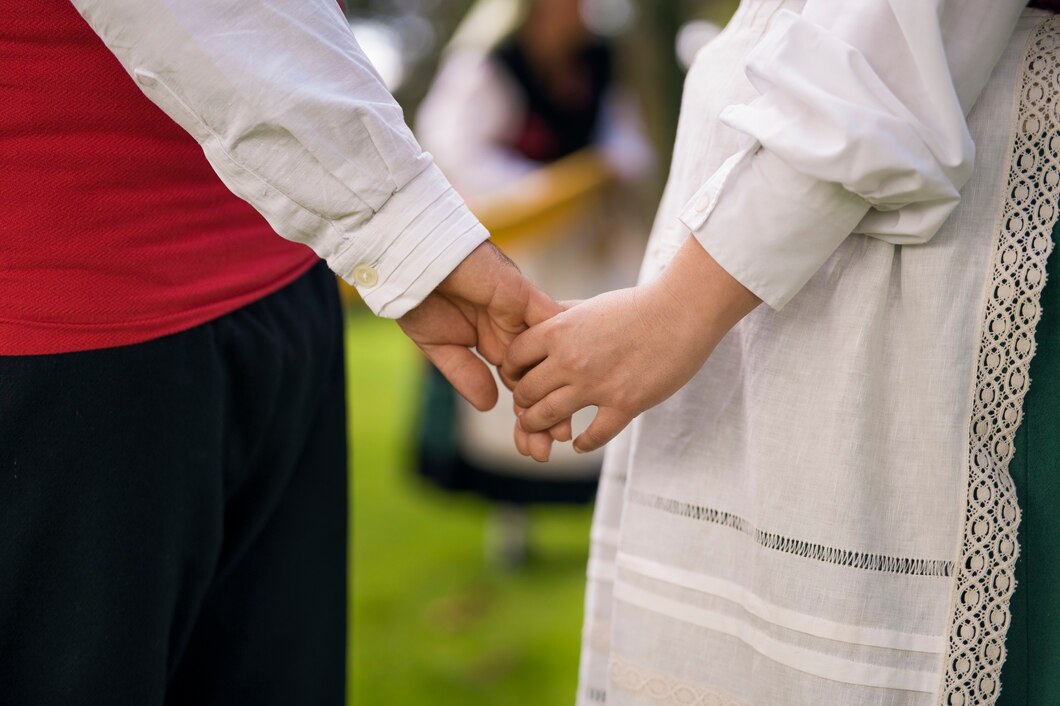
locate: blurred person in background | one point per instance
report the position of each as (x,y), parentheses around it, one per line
(172,400)
(529,121)
(849,495)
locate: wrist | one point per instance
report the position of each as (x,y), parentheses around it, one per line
(702,295)
(479,274)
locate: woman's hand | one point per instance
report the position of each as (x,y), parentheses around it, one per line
(625,351)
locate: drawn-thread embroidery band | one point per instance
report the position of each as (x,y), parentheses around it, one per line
(808,550)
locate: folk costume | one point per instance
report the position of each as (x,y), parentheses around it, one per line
(825,513)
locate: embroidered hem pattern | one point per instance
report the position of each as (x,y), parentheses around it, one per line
(985,570)
(665,690)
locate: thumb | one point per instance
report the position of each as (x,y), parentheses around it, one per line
(541,307)
(466,372)
(604,427)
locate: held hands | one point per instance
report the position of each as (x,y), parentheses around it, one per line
(484,303)
(624,351)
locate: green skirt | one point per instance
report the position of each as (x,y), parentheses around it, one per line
(1031,675)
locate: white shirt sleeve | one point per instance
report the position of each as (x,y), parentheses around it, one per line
(859,126)
(294,119)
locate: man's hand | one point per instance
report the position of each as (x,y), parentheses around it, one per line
(483,304)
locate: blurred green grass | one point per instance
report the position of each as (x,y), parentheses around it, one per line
(432,621)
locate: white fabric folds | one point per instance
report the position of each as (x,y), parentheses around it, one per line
(854,104)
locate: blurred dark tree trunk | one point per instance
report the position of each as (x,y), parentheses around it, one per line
(649,60)
(445,16)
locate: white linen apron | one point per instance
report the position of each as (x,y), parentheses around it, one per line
(823,514)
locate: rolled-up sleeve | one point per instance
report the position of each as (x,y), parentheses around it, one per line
(859,126)
(295,120)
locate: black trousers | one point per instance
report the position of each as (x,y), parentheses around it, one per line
(173,514)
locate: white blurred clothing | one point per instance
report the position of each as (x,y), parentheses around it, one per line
(474,110)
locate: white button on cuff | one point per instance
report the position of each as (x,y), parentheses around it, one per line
(365,275)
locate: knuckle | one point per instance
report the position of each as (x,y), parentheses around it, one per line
(624,398)
(594,436)
(573,360)
(513,354)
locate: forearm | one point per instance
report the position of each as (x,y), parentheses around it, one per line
(697,299)
(694,303)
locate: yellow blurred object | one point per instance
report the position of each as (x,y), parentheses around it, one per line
(536,208)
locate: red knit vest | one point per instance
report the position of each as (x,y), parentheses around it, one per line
(114,229)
